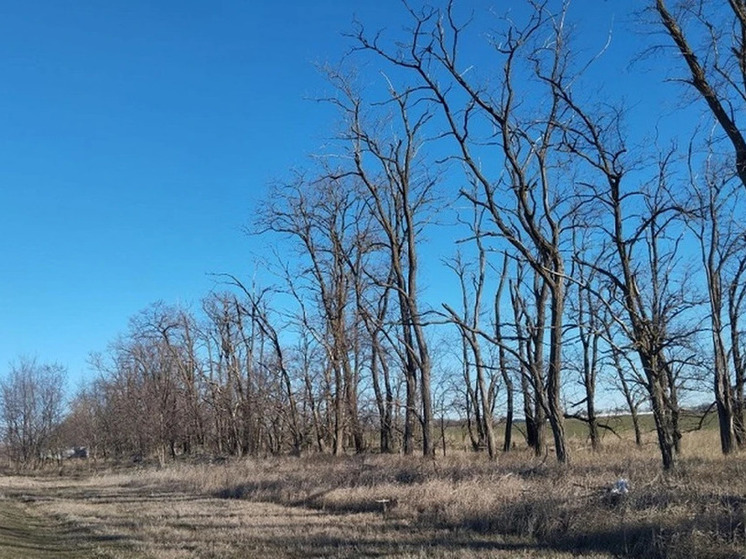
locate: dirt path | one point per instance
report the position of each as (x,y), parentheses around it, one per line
(26,534)
(110,517)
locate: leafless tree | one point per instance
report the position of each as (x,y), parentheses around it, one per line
(397,189)
(31,404)
(529,302)
(628,386)
(641,234)
(485,363)
(482,394)
(504,360)
(82,425)
(234,344)
(175,328)
(710,39)
(721,240)
(321,215)
(530,200)
(736,296)
(277,365)
(588,313)
(373,300)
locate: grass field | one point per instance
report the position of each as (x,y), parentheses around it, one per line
(134,515)
(460,505)
(614,428)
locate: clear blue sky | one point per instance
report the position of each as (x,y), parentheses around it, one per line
(135,139)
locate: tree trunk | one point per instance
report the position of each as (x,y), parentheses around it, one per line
(410,412)
(554,384)
(662,414)
(487,419)
(508,440)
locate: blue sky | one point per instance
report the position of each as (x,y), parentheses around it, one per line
(136,138)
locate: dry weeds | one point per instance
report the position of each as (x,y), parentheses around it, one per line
(458,506)
(171,525)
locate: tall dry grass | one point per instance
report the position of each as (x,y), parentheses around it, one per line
(697,511)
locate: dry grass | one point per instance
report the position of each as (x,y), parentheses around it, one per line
(153,523)
(700,511)
(459,506)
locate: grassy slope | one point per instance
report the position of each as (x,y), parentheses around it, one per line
(620,426)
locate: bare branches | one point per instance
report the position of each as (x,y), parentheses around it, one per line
(706,67)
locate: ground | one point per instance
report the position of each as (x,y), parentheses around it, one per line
(461,505)
(110,517)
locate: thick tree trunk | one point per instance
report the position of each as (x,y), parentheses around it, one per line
(592,419)
(339,415)
(487,419)
(723,396)
(735,298)
(351,400)
(554,382)
(665,422)
(428,442)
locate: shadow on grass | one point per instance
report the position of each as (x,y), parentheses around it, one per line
(409,542)
(666,521)
(31,536)
(265,491)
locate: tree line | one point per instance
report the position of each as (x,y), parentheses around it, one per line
(584,260)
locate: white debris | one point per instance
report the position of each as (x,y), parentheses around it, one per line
(620,487)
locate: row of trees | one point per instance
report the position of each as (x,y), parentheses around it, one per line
(581,257)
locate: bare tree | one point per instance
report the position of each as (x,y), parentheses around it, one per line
(588,314)
(175,328)
(721,240)
(276,363)
(322,216)
(152,382)
(529,314)
(641,233)
(398,192)
(375,316)
(82,425)
(31,403)
(503,359)
(736,297)
(482,396)
(234,345)
(710,38)
(627,386)
(529,201)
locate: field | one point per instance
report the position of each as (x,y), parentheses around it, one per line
(459,505)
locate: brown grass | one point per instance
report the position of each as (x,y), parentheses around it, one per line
(699,511)
(458,506)
(166,524)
